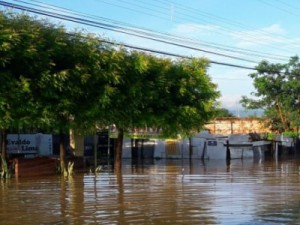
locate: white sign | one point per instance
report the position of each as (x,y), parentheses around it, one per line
(29,144)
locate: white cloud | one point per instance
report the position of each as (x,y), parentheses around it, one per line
(264,36)
(193,29)
(274,29)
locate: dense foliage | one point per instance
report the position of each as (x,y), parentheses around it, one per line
(222,112)
(278,93)
(55,80)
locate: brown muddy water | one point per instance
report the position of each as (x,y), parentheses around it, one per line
(160,192)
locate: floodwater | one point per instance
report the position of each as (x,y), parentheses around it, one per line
(160,192)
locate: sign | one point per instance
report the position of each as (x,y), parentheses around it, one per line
(212,143)
(29,144)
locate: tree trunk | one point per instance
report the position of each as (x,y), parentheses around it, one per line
(3,138)
(62,153)
(6,169)
(118,154)
(72,142)
(282,117)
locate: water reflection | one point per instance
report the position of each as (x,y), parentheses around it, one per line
(160,192)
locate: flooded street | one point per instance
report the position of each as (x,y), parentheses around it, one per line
(160,192)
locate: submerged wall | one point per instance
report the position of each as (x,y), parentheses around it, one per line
(237,125)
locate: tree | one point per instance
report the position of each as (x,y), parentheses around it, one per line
(70,80)
(17,56)
(58,78)
(126,106)
(177,97)
(77,85)
(222,112)
(278,93)
(189,97)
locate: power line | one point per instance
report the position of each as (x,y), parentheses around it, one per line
(64,17)
(279,8)
(185,40)
(150,36)
(289,5)
(116,28)
(225,21)
(263,35)
(190,10)
(177,55)
(172,38)
(112,27)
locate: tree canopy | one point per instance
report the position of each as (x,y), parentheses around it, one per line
(222,112)
(56,80)
(278,93)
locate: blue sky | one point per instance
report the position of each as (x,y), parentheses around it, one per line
(251,30)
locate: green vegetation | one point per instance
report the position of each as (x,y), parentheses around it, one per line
(223,113)
(54,81)
(278,93)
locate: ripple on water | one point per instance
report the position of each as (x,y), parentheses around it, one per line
(205,193)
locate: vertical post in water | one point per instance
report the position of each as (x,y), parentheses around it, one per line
(95,149)
(108,147)
(276,150)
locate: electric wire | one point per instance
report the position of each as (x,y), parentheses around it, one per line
(178,55)
(115,28)
(218,18)
(122,44)
(194,42)
(192,11)
(178,38)
(289,5)
(190,41)
(280,8)
(74,19)
(263,35)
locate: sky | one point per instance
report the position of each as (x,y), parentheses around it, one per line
(238,33)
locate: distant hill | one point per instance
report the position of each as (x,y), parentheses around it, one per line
(241,112)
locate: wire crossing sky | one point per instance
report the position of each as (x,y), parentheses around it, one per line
(234,35)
